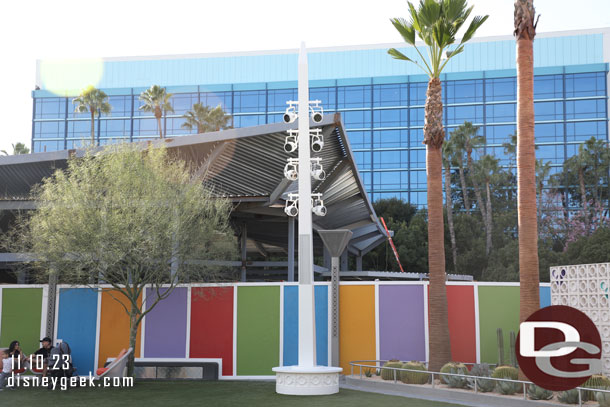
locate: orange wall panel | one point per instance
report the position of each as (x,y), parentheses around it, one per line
(356,324)
(114,327)
(462,329)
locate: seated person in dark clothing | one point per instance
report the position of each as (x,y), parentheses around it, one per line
(45,351)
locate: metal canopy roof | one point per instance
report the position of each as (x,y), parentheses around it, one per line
(245,165)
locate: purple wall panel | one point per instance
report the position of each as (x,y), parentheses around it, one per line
(401,322)
(165,330)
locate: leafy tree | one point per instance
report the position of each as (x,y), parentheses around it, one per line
(529,278)
(94,101)
(206,119)
(157,101)
(437,23)
(18,149)
(130,219)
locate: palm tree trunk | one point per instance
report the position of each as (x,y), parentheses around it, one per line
(438,322)
(160,128)
(449,206)
(92,127)
(488,221)
(463,184)
(583,199)
(529,294)
(477,190)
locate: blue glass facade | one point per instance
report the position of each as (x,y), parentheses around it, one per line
(383,115)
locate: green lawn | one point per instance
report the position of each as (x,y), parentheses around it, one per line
(189,393)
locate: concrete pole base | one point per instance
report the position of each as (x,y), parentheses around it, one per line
(307,381)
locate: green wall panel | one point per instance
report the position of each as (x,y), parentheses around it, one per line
(498,308)
(258,330)
(21,313)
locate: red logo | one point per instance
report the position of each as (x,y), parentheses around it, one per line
(559,348)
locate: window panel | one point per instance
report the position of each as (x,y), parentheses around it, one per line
(501,113)
(50,108)
(174,127)
(419,179)
(548,132)
(81,129)
(417,93)
(416,137)
(585,109)
(548,87)
(363,159)
(390,138)
(48,145)
(49,129)
(581,131)
(501,89)
(249,120)
(390,118)
(416,117)
(279,97)
(326,95)
(498,152)
(391,180)
(357,119)
(390,159)
(419,199)
(500,134)
(183,102)
(217,98)
(548,110)
(552,153)
(121,106)
(464,91)
(354,96)
(366,180)
(460,114)
(359,139)
(145,127)
(418,158)
(114,128)
(249,101)
(390,95)
(585,84)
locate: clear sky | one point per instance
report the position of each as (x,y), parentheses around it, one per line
(38,29)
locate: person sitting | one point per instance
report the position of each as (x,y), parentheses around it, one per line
(45,351)
(15,353)
(6,368)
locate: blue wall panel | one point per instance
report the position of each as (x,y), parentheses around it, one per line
(545,296)
(291,325)
(77,325)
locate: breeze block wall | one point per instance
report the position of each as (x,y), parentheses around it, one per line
(253,327)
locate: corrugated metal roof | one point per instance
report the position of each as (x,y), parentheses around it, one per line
(245,165)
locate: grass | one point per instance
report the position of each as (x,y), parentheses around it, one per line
(190,393)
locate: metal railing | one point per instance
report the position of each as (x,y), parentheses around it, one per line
(396,372)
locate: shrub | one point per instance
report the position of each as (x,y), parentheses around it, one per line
(538,393)
(368,372)
(413,377)
(505,372)
(388,374)
(508,388)
(456,367)
(480,371)
(568,397)
(597,381)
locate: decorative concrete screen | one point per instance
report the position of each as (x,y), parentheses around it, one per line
(585,287)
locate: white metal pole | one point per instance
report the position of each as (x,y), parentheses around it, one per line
(307,334)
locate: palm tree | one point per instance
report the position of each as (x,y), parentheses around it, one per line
(156,100)
(18,148)
(466,140)
(487,170)
(205,119)
(543,169)
(529,278)
(437,23)
(94,101)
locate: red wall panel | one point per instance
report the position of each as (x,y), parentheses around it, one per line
(462,329)
(212,325)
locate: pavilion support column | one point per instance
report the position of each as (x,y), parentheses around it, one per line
(344,260)
(52,299)
(290,248)
(244,239)
(327,258)
(358,263)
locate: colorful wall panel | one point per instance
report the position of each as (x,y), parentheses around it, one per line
(402,322)
(114,327)
(498,308)
(291,325)
(212,325)
(166,324)
(356,324)
(21,317)
(77,325)
(258,329)
(545,296)
(462,322)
